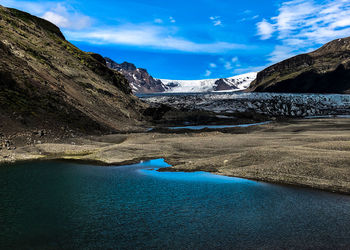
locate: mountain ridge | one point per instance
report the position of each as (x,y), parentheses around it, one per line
(141,82)
(325,70)
(139,79)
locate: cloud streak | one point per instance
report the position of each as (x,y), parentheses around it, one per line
(67,18)
(60,14)
(216,20)
(79,27)
(151,37)
(207,73)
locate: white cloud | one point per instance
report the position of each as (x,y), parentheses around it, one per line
(248,69)
(217,23)
(60,14)
(56,19)
(294,15)
(207,73)
(78,27)
(67,18)
(150,36)
(228,65)
(158,20)
(341,23)
(212,65)
(265,29)
(246,12)
(235,59)
(304,24)
(33,8)
(281,53)
(216,20)
(249,18)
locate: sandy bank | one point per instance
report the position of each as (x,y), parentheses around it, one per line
(312,153)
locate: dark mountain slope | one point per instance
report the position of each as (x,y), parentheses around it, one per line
(46,82)
(326,70)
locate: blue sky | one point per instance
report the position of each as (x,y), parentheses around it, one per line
(196,39)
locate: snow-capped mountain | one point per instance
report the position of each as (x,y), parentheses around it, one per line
(234,83)
(141,82)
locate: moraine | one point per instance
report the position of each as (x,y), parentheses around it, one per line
(271,104)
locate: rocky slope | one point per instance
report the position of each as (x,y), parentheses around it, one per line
(139,79)
(48,83)
(326,70)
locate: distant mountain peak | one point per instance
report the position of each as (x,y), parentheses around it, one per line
(139,79)
(128,66)
(141,82)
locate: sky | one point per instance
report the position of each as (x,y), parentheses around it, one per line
(198,39)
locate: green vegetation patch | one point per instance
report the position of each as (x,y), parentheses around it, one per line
(28,18)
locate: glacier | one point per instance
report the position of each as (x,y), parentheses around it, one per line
(232,84)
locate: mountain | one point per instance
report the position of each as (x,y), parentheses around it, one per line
(234,83)
(326,70)
(47,82)
(139,79)
(141,82)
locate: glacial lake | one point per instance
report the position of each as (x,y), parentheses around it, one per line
(200,127)
(60,205)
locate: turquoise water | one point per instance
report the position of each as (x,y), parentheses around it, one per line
(60,205)
(219,126)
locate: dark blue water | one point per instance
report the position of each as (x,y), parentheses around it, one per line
(70,206)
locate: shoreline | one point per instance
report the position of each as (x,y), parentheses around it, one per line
(267,181)
(303,153)
(169,170)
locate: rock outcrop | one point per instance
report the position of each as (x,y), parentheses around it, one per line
(222,84)
(139,79)
(48,83)
(326,70)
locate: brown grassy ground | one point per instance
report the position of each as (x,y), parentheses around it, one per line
(313,153)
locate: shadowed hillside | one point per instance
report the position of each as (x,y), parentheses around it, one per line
(326,70)
(46,82)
